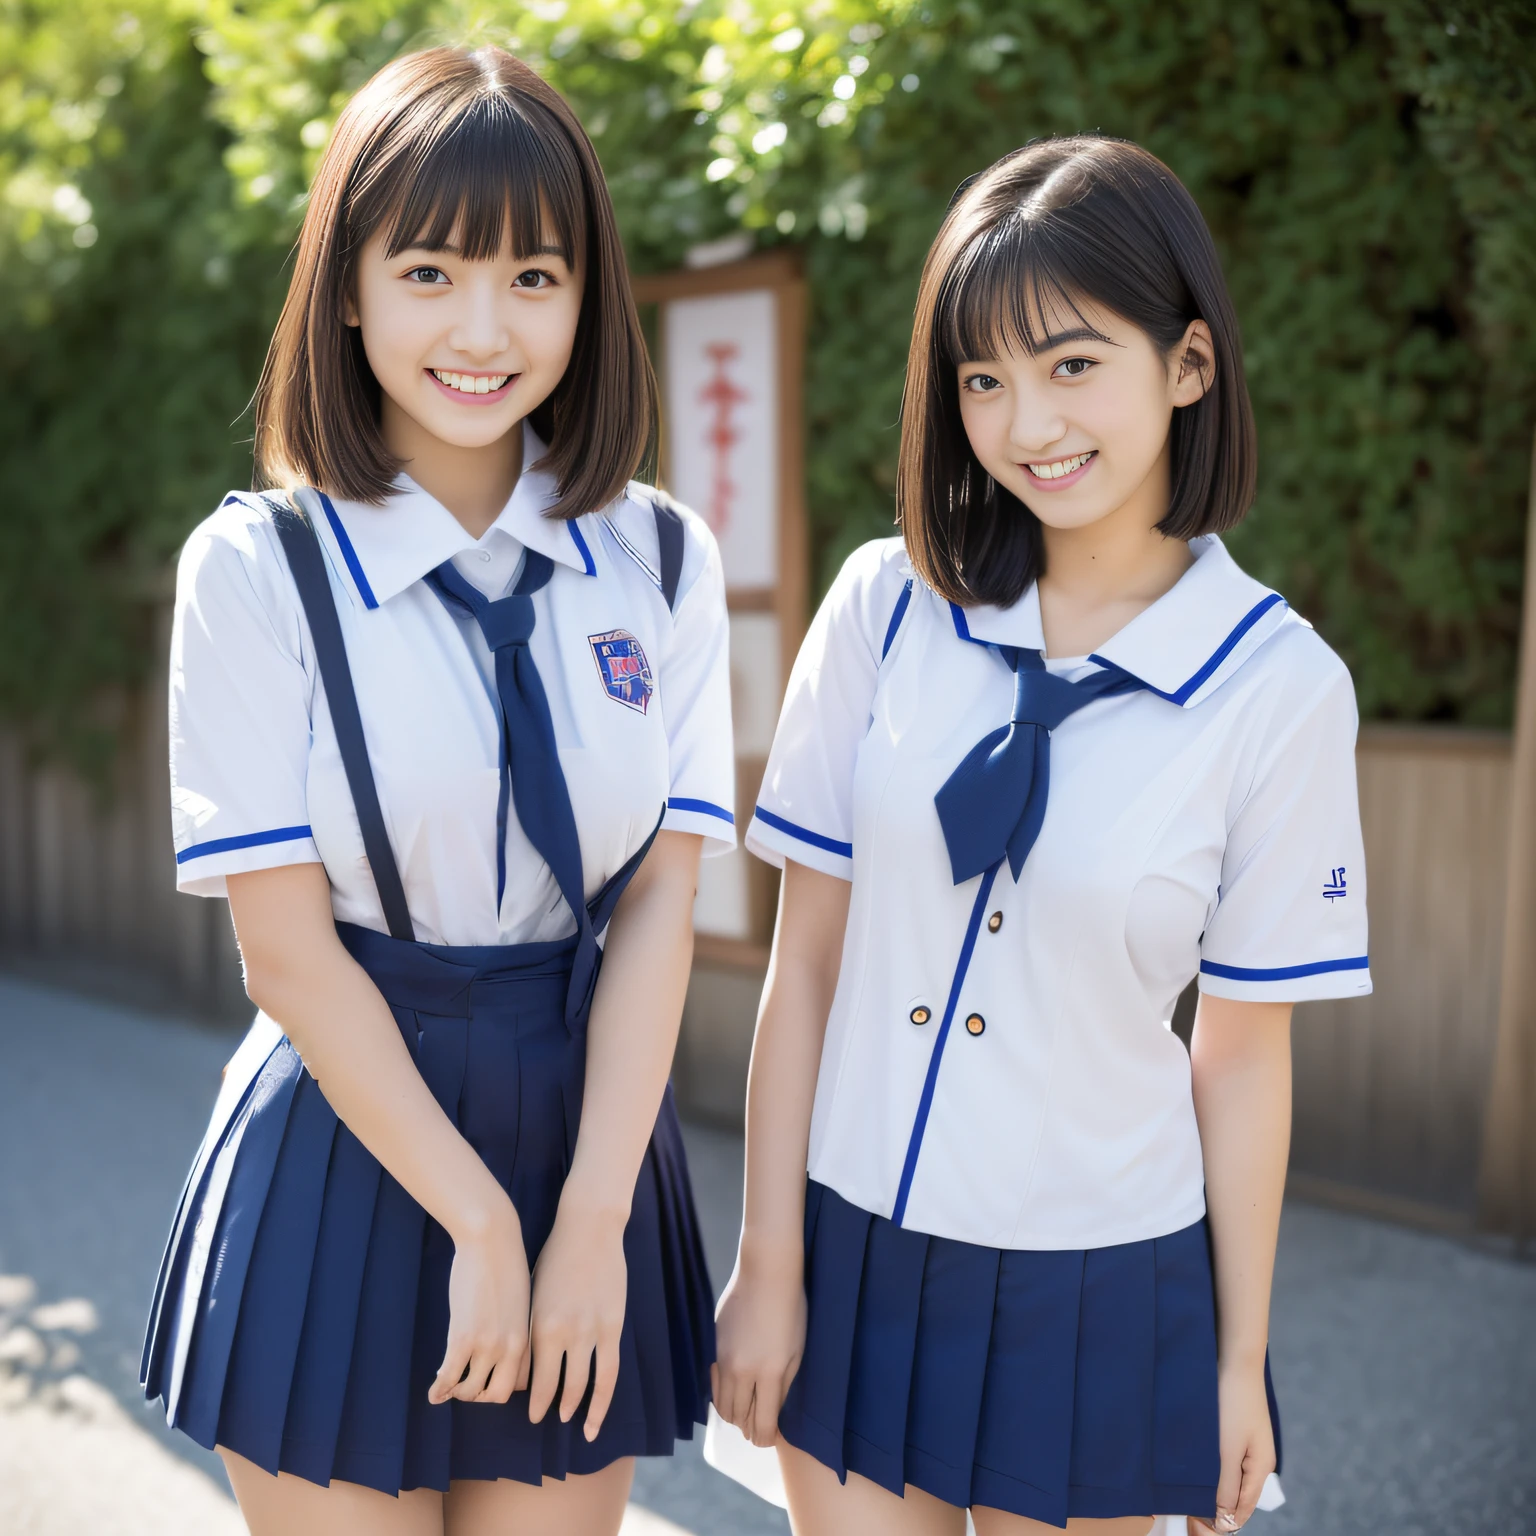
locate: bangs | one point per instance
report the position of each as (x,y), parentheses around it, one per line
(1012,290)
(468,182)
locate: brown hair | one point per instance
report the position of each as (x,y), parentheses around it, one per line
(442,144)
(1048,228)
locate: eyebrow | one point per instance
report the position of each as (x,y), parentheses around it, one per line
(1065,338)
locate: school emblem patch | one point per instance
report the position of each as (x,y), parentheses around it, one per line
(621,664)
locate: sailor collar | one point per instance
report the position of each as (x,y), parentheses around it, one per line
(1186,643)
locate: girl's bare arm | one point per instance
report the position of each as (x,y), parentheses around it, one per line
(580,1279)
(761,1318)
(298,973)
(1240,1056)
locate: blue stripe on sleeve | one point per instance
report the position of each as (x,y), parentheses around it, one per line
(245,840)
(1284,972)
(349,554)
(702,807)
(815,839)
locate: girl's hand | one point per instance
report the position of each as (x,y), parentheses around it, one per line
(487,1356)
(580,1286)
(1247,1446)
(760,1337)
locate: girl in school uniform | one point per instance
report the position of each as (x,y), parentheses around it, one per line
(450,725)
(1043,759)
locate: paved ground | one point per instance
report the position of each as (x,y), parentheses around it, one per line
(1406,1364)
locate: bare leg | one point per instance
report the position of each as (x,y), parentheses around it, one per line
(289,1506)
(819,1505)
(995,1522)
(578,1506)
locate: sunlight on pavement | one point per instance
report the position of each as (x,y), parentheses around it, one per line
(74,1463)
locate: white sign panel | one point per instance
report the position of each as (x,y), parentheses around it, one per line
(722,425)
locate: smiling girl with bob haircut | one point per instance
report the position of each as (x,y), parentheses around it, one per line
(450,727)
(1043,759)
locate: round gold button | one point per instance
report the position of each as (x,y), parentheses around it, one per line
(994,922)
(975,1023)
(919,1015)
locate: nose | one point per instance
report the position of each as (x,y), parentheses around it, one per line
(480,329)
(1036,425)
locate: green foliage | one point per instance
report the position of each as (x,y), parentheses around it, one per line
(1368,169)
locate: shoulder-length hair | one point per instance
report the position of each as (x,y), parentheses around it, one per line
(1050,228)
(442,145)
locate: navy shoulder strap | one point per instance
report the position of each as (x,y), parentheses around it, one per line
(669,541)
(307,563)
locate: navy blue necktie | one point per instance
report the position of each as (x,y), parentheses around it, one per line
(993,804)
(531,775)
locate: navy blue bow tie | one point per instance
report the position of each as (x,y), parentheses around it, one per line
(993,804)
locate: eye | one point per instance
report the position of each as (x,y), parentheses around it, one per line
(981,384)
(1072,367)
(534,278)
(428,277)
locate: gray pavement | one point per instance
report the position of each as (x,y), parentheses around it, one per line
(1406,1364)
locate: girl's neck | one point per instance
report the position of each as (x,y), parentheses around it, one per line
(1100,576)
(474,484)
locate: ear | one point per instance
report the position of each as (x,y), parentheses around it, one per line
(1192,364)
(349,311)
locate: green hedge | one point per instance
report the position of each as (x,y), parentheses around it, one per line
(1369,170)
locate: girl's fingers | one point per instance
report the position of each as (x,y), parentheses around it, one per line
(724,1392)
(605,1378)
(764,1414)
(756,1413)
(475,1378)
(500,1384)
(1252,1487)
(524,1367)
(547,1359)
(450,1372)
(1228,1488)
(576,1379)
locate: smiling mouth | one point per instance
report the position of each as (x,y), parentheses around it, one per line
(1059,469)
(472,383)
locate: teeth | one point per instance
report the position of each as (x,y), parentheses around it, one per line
(469,384)
(1058,467)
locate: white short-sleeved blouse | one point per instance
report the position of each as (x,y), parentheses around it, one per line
(256,776)
(1008,1076)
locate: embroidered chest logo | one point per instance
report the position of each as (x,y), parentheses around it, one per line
(1336,886)
(621,664)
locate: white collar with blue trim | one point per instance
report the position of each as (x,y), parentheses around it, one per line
(387,548)
(1187,642)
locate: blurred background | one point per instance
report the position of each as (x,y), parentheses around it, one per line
(1369,170)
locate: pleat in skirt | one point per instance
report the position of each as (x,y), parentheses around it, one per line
(301,1311)
(1050,1384)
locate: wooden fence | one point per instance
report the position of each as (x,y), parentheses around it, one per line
(88,879)
(1390,1090)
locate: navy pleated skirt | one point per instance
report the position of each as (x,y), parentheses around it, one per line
(302,1306)
(1050,1384)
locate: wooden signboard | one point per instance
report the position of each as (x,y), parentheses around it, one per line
(728,343)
